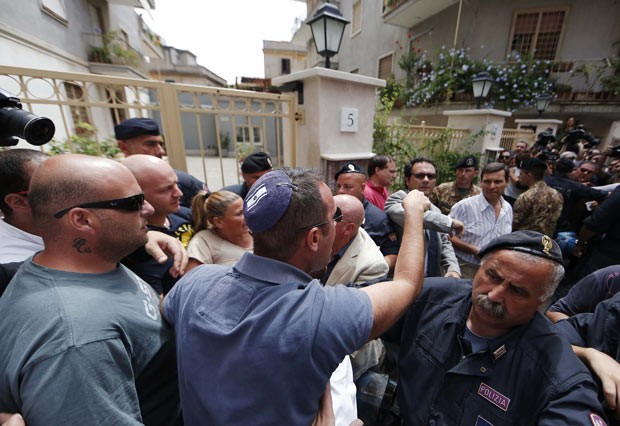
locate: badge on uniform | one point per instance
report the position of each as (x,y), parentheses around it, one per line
(493,396)
(481,421)
(597,420)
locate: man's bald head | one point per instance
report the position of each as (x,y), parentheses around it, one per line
(72,179)
(352,218)
(159,183)
(352,208)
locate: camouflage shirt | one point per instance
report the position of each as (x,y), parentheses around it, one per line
(537,209)
(447,194)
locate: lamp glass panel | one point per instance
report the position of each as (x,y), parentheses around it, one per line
(334,35)
(318,33)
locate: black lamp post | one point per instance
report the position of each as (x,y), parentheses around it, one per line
(327,27)
(481,84)
(542,102)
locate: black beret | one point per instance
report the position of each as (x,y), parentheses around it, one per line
(532,163)
(564,165)
(256,162)
(350,168)
(531,242)
(267,200)
(133,127)
(469,161)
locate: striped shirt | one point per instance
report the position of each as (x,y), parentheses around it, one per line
(480,224)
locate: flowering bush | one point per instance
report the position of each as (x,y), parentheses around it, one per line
(517,82)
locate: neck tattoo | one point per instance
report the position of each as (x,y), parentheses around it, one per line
(80,245)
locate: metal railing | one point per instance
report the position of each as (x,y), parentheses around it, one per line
(218,127)
(510,137)
(422,134)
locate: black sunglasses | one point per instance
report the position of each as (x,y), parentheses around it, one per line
(337,218)
(421,176)
(133,203)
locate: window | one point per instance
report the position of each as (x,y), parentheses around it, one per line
(56,9)
(356,20)
(286,66)
(249,134)
(79,114)
(385,66)
(538,33)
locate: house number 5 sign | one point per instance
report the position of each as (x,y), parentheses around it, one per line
(349,119)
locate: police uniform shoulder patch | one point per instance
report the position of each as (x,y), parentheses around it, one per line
(481,421)
(597,420)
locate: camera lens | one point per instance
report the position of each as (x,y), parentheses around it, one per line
(34,129)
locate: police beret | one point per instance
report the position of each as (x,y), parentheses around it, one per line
(532,163)
(564,165)
(256,162)
(133,127)
(267,200)
(531,242)
(350,168)
(469,161)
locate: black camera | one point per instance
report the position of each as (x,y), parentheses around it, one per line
(15,122)
(578,134)
(615,152)
(546,137)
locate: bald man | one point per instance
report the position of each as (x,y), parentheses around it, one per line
(159,183)
(83,341)
(355,256)
(139,135)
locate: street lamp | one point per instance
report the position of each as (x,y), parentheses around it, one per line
(327,27)
(542,102)
(481,84)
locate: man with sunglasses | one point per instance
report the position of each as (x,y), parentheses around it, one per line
(83,339)
(257,344)
(20,237)
(421,174)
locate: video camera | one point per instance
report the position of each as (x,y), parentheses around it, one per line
(15,122)
(580,133)
(546,137)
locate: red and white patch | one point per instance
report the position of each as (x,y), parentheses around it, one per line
(493,396)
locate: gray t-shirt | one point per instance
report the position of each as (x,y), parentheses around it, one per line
(85,349)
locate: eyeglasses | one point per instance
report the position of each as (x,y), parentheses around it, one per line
(420,176)
(133,203)
(337,218)
(586,171)
(506,157)
(22,193)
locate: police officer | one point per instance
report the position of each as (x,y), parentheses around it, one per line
(481,354)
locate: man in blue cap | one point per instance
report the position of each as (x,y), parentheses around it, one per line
(142,136)
(481,353)
(257,343)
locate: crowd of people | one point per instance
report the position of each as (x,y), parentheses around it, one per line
(131,294)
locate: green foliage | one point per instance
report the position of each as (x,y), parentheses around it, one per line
(84,142)
(390,139)
(612,82)
(516,85)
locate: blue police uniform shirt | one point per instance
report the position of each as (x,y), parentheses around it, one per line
(378,226)
(589,291)
(189,186)
(530,376)
(240,189)
(257,344)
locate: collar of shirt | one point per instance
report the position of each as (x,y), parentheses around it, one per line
(271,271)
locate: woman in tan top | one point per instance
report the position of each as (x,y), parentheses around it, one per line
(222,236)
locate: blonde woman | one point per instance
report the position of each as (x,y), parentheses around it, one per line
(222,236)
